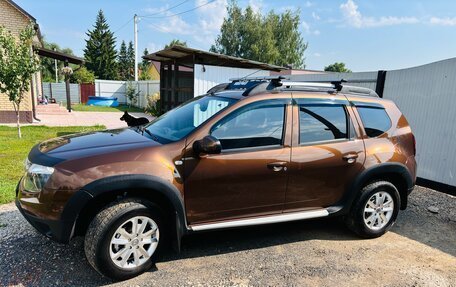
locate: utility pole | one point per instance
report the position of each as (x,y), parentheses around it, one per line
(136,46)
(56,72)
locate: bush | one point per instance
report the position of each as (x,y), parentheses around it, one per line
(82,76)
(132,94)
(153,105)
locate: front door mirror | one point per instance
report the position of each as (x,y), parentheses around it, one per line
(207,145)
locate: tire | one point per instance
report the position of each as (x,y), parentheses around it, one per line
(121,217)
(369,220)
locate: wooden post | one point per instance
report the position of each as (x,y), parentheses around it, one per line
(50,90)
(162,87)
(169,75)
(176,84)
(173,83)
(67,85)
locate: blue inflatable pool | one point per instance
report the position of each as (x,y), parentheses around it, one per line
(102,101)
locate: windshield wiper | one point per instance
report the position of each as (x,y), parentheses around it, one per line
(144,129)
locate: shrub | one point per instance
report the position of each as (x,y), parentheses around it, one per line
(132,94)
(153,104)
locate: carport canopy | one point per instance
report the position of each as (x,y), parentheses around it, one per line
(177,65)
(188,57)
(66,58)
(48,53)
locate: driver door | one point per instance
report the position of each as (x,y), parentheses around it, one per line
(248,178)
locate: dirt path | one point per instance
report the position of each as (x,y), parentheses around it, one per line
(419,251)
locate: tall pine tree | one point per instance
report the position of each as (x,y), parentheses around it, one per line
(100,52)
(144,67)
(131,61)
(123,63)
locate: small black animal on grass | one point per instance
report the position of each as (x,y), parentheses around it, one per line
(132,121)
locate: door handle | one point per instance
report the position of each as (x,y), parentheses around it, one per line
(351,157)
(278,166)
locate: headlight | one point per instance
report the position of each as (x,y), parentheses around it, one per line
(36,176)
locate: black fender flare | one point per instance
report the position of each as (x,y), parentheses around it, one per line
(127,182)
(344,205)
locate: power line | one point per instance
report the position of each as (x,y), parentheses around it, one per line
(160,29)
(170,8)
(180,13)
(123,26)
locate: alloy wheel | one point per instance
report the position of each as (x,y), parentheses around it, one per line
(134,242)
(378,210)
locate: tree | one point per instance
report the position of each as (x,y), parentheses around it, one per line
(131,61)
(82,76)
(337,67)
(100,52)
(274,38)
(132,94)
(289,42)
(144,67)
(175,42)
(17,65)
(123,63)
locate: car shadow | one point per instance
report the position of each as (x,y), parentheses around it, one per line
(30,259)
(254,237)
(423,229)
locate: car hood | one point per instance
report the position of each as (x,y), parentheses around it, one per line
(62,148)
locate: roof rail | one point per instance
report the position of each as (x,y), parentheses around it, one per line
(253,85)
(261,78)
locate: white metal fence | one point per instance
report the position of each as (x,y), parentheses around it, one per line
(207,76)
(426,95)
(118,89)
(362,79)
(58,92)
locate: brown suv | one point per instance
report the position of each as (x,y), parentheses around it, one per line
(254,151)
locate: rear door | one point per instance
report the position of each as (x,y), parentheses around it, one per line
(327,152)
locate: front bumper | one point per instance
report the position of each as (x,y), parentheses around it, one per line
(57,230)
(38,213)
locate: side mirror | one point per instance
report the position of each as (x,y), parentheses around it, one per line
(207,145)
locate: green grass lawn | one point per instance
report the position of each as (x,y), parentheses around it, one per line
(120,108)
(13,152)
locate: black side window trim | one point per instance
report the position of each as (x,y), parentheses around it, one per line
(348,123)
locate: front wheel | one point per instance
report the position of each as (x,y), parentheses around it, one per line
(375,210)
(123,239)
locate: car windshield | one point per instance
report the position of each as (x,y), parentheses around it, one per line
(181,121)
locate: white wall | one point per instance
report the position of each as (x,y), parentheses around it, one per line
(214,75)
(427,97)
(361,79)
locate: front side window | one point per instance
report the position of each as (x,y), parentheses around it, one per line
(322,123)
(375,120)
(179,122)
(255,125)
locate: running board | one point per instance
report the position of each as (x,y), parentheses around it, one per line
(284,217)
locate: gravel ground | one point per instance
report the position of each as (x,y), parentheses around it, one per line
(419,251)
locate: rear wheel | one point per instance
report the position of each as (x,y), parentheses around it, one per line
(375,210)
(123,239)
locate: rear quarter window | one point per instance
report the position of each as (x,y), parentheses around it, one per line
(375,120)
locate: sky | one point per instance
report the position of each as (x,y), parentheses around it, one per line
(367,35)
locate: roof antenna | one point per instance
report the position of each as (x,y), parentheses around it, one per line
(338,84)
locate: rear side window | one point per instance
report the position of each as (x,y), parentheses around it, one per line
(375,120)
(322,123)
